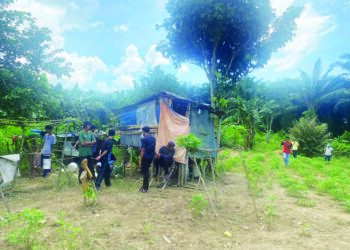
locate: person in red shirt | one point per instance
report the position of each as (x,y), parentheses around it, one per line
(287,150)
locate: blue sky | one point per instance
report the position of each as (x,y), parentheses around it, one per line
(110,43)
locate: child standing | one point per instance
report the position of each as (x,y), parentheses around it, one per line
(48,141)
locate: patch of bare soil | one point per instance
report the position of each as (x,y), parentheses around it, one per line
(127,219)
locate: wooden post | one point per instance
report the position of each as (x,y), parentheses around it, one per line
(206,190)
(131,162)
(5,202)
(213,176)
(185,170)
(62,166)
(20,154)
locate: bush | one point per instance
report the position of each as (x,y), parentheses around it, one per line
(311,135)
(233,136)
(198,204)
(341,144)
(190,142)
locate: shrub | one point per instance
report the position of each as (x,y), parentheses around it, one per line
(190,142)
(233,136)
(26,227)
(311,135)
(198,204)
(341,144)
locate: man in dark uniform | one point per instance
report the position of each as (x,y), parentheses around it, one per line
(164,158)
(107,158)
(148,147)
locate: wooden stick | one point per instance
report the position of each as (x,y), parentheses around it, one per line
(250,189)
(213,175)
(205,187)
(4,200)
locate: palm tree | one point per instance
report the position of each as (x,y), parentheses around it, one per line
(317,88)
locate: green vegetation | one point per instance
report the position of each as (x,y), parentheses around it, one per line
(190,142)
(25,227)
(198,204)
(311,135)
(66,233)
(24,230)
(304,174)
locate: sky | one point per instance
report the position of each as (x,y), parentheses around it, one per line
(111,43)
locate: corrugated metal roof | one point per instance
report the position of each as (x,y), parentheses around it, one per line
(166,94)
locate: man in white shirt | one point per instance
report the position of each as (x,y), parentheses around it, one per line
(328,152)
(48,141)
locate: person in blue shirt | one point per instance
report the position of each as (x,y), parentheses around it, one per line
(148,148)
(164,158)
(107,159)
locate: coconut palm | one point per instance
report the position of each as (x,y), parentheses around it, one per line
(317,88)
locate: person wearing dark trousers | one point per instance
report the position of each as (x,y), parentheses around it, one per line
(148,147)
(86,142)
(107,161)
(164,158)
(48,141)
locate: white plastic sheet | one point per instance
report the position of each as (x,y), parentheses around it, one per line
(8,166)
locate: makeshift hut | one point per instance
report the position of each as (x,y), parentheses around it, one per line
(169,116)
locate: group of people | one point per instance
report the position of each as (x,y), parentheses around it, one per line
(100,154)
(291,147)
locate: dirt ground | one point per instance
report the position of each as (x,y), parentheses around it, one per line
(127,219)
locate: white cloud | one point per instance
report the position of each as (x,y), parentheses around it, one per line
(125,82)
(121,28)
(84,70)
(311,27)
(50,17)
(134,64)
(183,69)
(56,18)
(281,6)
(131,65)
(104,87)
(154,57)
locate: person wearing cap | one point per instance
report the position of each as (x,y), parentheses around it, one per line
(164,158)
(86,141)
(148,147)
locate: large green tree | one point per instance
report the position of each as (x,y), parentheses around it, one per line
(25,57)
(232,37)
(24,45)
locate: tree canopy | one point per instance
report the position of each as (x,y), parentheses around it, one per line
(232,37)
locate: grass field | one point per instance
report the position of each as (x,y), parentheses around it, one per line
(260,205)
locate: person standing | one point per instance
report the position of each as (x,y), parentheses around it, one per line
(107,159)
(48,141)
(148,147)
(286,149)
(86,142)
(328,152)
(164,158)
(295,147)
